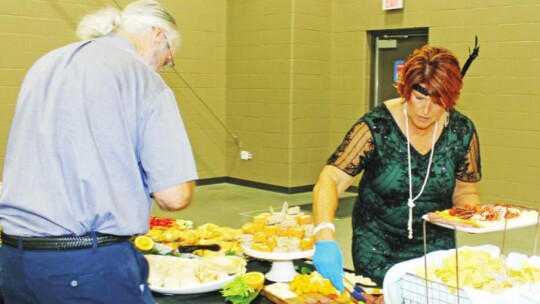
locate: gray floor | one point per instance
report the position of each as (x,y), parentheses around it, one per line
(232,205)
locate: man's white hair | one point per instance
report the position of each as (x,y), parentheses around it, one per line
(138,17)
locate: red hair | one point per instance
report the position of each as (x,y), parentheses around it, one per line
(438,70)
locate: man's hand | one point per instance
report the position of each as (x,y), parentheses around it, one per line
(328,261)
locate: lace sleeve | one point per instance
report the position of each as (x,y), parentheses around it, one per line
(470,169)
(353,152)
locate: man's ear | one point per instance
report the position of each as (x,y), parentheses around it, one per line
(156,36)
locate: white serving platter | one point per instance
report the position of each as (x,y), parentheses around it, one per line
(193,289)
(282,269)
(278,256)
(527,218)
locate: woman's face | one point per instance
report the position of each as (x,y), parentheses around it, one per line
(421,110)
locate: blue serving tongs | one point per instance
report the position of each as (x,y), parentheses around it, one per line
(355,292)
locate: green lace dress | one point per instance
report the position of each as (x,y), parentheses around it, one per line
(376,146)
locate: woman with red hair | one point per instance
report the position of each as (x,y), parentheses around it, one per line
(417,154)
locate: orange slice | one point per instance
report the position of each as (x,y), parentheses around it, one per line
(143,243)
(254,279)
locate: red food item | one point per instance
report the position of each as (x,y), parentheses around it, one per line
(371,299)
(311,301)
(487,212)
(491,217)
(161,222)
(463,212)
(321,299)
(325,300)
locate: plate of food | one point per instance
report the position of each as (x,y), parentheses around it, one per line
(191,275)
(484,218)
(283,235)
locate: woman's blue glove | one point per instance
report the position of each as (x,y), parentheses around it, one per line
(328,261)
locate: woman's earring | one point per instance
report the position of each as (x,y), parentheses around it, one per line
(405,108)
(447,119)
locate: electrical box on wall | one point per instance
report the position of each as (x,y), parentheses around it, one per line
(245,155)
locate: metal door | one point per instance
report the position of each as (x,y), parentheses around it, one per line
(389,49)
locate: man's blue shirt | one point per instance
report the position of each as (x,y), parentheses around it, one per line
(96,131)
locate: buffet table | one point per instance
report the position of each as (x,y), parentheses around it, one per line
(215,296)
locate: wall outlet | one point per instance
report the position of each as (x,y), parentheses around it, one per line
(246,155)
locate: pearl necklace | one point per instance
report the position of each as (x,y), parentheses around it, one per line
(411,200)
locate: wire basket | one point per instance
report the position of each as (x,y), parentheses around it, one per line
(413,290)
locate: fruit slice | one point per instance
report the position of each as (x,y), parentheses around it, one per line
(254,279)
(143,243)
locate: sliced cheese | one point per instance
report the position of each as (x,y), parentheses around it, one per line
(281,290)
(447,216)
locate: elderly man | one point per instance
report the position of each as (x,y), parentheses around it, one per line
(97,133)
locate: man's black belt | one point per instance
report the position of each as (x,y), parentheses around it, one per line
(62,242)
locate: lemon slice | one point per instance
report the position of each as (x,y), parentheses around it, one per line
(143,243)
(254,279)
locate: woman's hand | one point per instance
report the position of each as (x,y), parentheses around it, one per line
(466,193)
(328,261)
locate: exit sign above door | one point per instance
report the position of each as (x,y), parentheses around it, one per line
(392,4)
